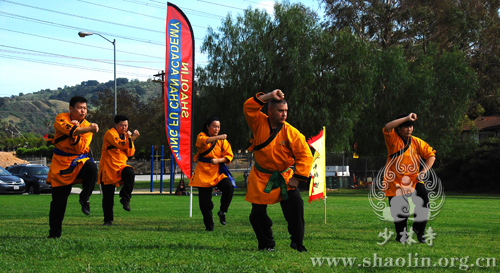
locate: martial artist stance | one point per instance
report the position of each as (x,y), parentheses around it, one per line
(71,163)
(117,147)
(277,146)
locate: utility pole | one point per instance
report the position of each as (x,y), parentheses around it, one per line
(162,81)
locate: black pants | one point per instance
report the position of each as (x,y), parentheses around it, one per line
(293,210)
(88,174)
(206,204)
(108,193)
(401,217)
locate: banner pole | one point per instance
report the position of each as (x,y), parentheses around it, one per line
(325,210)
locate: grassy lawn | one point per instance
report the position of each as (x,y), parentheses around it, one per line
(159,236)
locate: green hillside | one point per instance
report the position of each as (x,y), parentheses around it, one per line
(35,112)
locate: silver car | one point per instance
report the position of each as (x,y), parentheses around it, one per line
(10,183)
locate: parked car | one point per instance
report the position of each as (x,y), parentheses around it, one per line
(10,183)
(34,176)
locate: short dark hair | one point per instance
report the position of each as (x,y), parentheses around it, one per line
(119,118)
(406,123)
(208,122)
(274,102)
(74,100)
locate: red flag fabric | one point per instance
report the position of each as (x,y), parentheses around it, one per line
(179,75)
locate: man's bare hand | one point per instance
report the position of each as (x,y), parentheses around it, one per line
(75,122)
(222,136)
(293,182)
(135,135)
(94,128)
(412,116)
(277,94)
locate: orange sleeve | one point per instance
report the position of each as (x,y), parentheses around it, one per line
(252,112)
(80,143)
(201,141)
(227,151)
(391,141)
(63,125)
(425,150)
(131,147)
(126,144)
(303,156)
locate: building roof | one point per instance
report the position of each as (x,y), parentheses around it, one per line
(485,123)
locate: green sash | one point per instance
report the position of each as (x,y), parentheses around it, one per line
(275,181)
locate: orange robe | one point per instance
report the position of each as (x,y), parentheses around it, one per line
(401,172)
(276,156)
(116,149)
(72,145)
(207,174)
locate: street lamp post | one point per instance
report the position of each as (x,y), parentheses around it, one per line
(83,34)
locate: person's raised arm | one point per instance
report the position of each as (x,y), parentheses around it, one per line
(395,123)
(428,165)
(276,94)
(92,128)
(215,138)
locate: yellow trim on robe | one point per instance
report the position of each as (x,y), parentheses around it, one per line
(114,160)
(407,164)
(73,145)
(277,156)
(207,174)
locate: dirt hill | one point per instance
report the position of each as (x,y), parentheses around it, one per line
(8,158)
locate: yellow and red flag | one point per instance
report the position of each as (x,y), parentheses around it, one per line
(317,188)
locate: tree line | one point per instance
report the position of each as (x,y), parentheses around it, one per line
(352,71)
(358,68)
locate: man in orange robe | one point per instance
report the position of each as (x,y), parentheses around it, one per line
(71,163)
(277,146)
(402,176)
(117,147)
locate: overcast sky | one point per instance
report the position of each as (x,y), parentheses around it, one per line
(40,47)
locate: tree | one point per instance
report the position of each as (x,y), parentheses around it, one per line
(147,117)
(323,76)
(102,113)
(437,86)
(470,26)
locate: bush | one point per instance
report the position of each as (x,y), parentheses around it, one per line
(476,172)
(43,151)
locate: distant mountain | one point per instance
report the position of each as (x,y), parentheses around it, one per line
(36,112)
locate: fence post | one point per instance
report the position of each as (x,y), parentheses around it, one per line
(172,172)
(152,165)
(161,170)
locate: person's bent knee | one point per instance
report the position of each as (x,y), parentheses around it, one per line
(128,172)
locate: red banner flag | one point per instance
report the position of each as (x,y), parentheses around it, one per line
(179,75)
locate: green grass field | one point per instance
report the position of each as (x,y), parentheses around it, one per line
(159,236)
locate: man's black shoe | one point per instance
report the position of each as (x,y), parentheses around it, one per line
(299,248)
(400,239)
(53,237)
(85,207)
(222,217)
(107,224)
(126,204)
(420,236)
